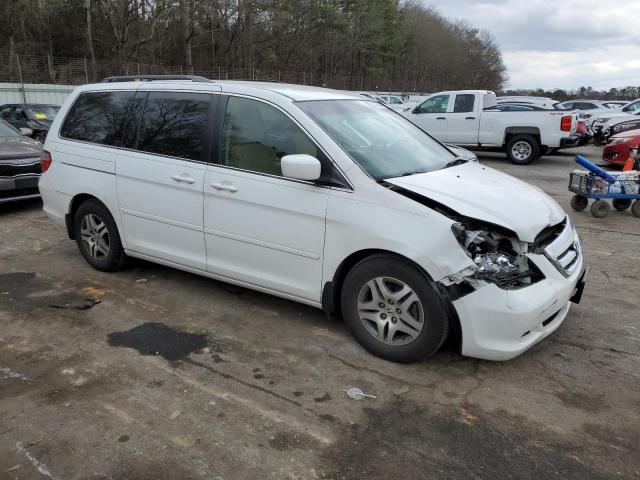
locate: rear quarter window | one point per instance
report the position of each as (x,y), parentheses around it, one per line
(99,117)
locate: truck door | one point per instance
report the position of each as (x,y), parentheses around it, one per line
(431,116)
(463,119)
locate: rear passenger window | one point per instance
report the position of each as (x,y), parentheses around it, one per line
(256,136)
(464,103)
(99,117)
(173,124)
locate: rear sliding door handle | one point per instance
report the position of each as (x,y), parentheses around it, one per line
(183,178)
(226,187)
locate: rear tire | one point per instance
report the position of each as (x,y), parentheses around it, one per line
(522,149)
(393,309)
(579,203)
(98,238)
(600,208)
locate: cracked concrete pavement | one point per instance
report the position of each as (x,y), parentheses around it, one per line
(152,373)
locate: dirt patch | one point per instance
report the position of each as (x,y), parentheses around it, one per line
(403,440)
(27,288)
(587,403)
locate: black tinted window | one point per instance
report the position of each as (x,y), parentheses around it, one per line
(99,117)
(464,103)
(173,124)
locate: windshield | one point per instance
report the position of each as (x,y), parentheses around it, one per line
(7,131)
(43,112)
(382,142)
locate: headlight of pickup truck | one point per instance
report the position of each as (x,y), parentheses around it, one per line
(499,258)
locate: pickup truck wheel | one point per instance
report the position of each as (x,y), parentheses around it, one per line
(393,309)
(522,149)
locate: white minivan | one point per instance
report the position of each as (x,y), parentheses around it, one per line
(319,196)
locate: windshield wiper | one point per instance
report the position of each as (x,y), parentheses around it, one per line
(457,161)
(412,172)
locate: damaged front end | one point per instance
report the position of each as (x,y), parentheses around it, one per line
(499,257)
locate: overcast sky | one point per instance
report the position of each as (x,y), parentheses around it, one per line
(559,43)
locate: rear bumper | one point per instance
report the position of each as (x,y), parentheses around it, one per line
(570,142)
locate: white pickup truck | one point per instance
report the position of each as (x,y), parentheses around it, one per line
(471,119)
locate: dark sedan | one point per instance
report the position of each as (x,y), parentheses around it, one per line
(35,117)
(19,165)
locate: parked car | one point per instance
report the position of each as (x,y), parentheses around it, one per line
(275,187)
(615,104)
(517,107)
(616,126)
(618,149)
(36,117)
(625,113)
(19,165)
(468,118)
(395,103)
(544,102)
(587,109)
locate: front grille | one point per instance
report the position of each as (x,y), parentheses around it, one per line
(14,169)
(564,251)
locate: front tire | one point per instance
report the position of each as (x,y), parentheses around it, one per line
(393,309)
(522,149)
(98,238)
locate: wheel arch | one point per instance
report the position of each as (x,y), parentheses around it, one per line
(331,289)
(75,203)
(511,132)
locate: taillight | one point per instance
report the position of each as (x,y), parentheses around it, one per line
(45,161)
(565,124)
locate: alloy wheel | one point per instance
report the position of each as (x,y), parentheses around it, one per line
(521,150)
(95,236)
(390,311)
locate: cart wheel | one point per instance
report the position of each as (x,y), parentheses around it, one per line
(579,203)
(621,204)
(635,208)
(600,208)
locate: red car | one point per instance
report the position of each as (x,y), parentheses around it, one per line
(617,150)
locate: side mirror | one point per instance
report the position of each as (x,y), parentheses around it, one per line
(416,110)
(300,167)
(27,132)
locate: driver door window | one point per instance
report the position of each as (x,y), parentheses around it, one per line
(437,104)
(256,136)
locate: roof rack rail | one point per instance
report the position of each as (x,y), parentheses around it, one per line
(151,78)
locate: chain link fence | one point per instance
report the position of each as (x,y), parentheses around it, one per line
(77,71)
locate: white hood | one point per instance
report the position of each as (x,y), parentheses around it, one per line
(483,193)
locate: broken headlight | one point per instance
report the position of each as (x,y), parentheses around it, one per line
(499,257)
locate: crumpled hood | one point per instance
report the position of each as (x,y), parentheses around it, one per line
(19,147)
(483,193)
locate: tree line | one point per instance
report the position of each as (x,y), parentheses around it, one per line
(355,44)
(626,93)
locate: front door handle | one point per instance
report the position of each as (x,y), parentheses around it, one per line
(184,178)
(227,187)
(470,118)
(441,118)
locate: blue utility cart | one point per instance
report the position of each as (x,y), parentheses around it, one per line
(624,193)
